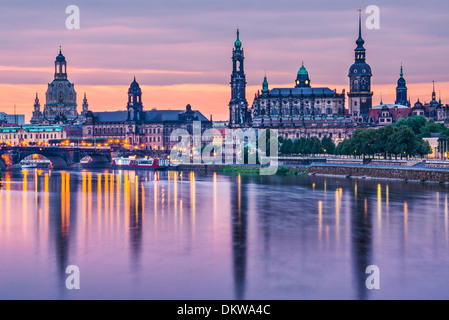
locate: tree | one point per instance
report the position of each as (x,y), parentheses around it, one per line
(286,146)
(423,148)
(404,140)
(315,146)
(415,123)
(433,127)
(302,146)
(328,145)
(344,148)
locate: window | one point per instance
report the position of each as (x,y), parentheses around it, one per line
(274,112)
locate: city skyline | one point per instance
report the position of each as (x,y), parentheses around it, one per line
(150,47)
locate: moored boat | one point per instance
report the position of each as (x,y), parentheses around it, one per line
(145,164)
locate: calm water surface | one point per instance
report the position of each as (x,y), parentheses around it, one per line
(170,235)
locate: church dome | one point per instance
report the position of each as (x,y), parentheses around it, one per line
(134,87)
(60,57)
(303,71)
(362,69)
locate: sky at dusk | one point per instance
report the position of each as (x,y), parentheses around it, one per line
(180,50)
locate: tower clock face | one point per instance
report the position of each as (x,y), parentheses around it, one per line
(363,100)
(307,81)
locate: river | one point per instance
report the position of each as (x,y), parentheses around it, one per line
(190,235)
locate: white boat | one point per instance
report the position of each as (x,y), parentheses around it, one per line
(146,164)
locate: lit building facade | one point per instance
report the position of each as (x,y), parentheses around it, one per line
(150,130)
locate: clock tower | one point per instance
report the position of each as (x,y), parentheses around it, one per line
(238,106)
(360,95)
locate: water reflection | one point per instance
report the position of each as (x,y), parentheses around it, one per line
(239,229)
(361,240)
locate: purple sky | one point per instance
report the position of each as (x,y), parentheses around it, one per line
(173,43)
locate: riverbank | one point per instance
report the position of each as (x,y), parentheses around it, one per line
(348,171)
(381,173)
(242,169)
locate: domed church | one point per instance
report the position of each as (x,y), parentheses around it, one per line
(60,106)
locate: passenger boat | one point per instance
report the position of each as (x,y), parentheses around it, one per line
(146,164)
(33,164)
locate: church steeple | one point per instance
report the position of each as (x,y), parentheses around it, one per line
(85,107)
(135,106)
(265,85)
(401,90)
(360,51)
(433,92)
(238,106)
(434,102)
(360,95)
(37,114)
(60,66)
(238,43)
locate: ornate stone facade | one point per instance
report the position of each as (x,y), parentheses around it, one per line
(60,106)
(138,127)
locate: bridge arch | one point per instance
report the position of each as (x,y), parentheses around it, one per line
(4,162)
(57,162)
(95,160)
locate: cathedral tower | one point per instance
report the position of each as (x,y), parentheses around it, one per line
(401,90)
(238,106)
(134,106)
(360,95)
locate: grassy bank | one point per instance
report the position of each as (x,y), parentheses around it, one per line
(282,170)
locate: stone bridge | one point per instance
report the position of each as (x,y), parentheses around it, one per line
(60,157)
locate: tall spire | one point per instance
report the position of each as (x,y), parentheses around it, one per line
(402,73)
(360,42)
(265,84)
(433,92)
(238,43)
(360,23)
(381,99)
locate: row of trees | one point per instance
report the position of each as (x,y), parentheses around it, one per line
(388,141)
(423,128)
(405,138)
(307,146)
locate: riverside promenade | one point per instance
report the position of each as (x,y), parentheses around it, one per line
(400,170)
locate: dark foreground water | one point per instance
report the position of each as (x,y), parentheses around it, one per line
(170,235)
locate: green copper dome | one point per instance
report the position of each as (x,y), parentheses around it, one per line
(303,71)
